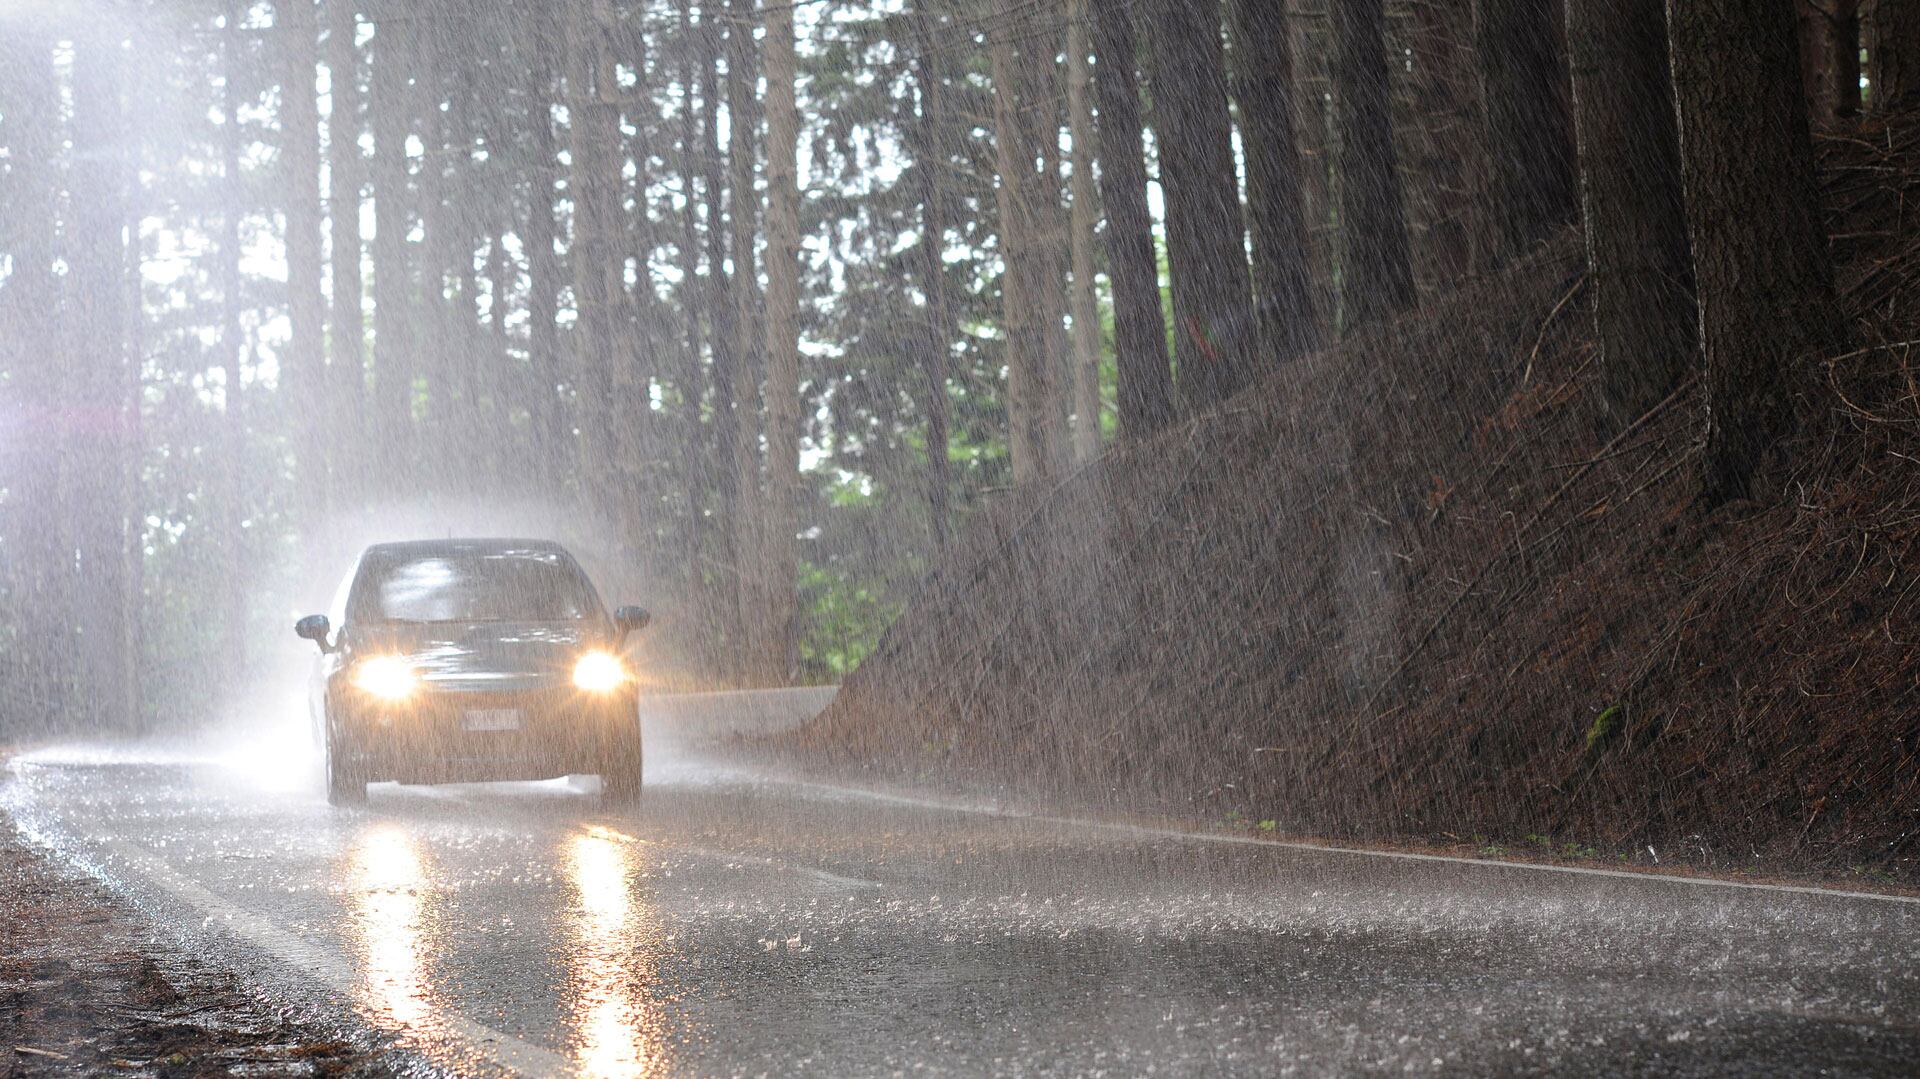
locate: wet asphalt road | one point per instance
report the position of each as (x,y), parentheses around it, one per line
(737,924)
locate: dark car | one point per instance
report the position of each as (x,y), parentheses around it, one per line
(473,659)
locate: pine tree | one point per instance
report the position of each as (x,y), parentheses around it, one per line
(1636,236)
(1376,276)
(1144,371)
(1767,305)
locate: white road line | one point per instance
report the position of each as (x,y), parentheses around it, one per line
(1311,848)
(473,1040)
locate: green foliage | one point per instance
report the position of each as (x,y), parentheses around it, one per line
(1604,726)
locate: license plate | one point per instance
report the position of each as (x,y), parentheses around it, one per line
(490,719)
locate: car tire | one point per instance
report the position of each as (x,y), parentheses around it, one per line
(620,772)
(346,785)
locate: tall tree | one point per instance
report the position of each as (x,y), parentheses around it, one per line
(1085,306)
(1376,275)
(553,432)
(96,259)
(37,387)
(347,369)
(1206,247)
(743,69)
(393,366)
(231,480)
(1144,373)
(1636,228)
(1829,58)
(1282,283)
(305,365)
(781,559)
(596,251)
(1765,284)
(1029,370)
(1895,55)
(931,135)
(1529,132)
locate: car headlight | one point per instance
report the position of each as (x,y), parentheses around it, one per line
(387,677)
(599,672)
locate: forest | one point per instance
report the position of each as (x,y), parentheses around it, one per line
(793,313)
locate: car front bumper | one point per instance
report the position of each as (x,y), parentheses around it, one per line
(441,735)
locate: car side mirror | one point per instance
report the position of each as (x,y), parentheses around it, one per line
(315,628)
(630,620)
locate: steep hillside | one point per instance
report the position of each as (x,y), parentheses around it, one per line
(1417,587)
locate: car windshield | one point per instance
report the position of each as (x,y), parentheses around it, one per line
(503,586)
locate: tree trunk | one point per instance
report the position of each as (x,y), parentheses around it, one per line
(231,479)
(933,133)
(1829,58)
(722,337)
(1529,132)
(1376,277)
(1144,374)
(38,382)
(553,428)
(595,253)
(1282,283)
(1040,79)
(96,279)
(393,366)
(1027,367)
(347,373)
(1206,247)
(304,366)
(1895,55)
(781,562)
(1086,305)
(749,511)
(1636,229)
(1766,297)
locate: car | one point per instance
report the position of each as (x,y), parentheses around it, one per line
(465,660)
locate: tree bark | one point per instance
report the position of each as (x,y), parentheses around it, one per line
(1376,275)
(96,280)
(231,479)
(1829,58)
(749,509)
(595,252)
(1086,305)
(1206,247)
(1523,85)
(39,381)
(1895,55)
(304,367)
(347,372)
(1635,215)
(552,425)
(1765,285)
(1028,371)
(393,367)
(1144,373)
(932,133)
(781,562)
(1282,282)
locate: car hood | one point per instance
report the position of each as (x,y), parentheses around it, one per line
(488,655)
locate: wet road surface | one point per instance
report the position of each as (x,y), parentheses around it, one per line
(739,924)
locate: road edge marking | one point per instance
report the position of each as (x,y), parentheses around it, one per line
(1125,828)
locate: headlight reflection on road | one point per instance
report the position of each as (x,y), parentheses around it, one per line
(390,884)
(616,1021)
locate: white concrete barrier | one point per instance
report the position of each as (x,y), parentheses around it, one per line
(695,717)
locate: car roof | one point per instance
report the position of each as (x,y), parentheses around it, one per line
(443,548)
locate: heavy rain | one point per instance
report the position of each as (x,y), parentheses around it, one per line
(959,537)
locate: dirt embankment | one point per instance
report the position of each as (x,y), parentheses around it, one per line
(85,989)
(1418,587)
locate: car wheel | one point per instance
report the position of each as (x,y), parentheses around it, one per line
(345,783)
(620,769)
